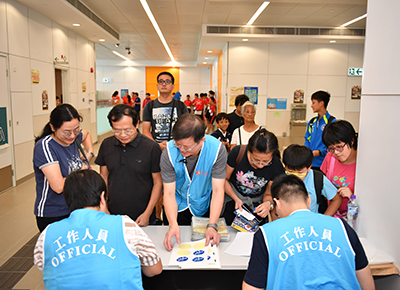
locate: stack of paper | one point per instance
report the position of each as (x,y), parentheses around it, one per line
(199,225)
(195,255)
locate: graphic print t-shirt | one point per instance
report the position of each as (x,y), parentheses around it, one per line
(250,181)
(160,118)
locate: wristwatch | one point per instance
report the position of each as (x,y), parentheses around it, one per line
(90,152)
(214,226)
(272,205)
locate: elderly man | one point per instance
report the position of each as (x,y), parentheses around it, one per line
(92,249)
(193,173)
(305,250)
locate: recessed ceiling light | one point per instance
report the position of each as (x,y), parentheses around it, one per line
(102,39)
(204,62)
(332,41)
(76,24)
(245,39)
(258,12)
(206,58)
(354,20)
(209,51)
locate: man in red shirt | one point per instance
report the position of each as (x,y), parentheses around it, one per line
(188,103)
(198,106)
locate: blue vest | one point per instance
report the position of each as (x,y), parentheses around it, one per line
(309,251)
(88,251)
(195,193)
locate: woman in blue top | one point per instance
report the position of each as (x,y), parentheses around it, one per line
(56,155)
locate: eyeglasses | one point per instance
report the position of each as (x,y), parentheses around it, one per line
(125,131)
(338,148)
(167,82)
(298,174)
(68,134)
(184,148)
(260,163)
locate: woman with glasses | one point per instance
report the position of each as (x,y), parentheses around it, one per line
(55,155)
(242,134)
(340,163)
(249,174)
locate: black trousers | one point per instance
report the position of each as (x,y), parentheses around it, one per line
(43,222)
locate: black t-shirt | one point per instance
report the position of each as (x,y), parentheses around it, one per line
(250,181)
(130,167)
(159,115)
(235,121)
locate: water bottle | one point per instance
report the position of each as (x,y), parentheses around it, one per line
(352,212)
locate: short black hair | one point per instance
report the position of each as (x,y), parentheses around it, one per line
(188,125)
(221,116)
(83,188)
(115,93)
(196,94)
(168,74)
(289,188)
(122,110)
(147,94)
(340,131)
(321,96)
(297,157)
(241,99)
(263,141)
(211,92)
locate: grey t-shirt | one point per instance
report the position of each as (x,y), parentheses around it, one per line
(160,117)
(168,173)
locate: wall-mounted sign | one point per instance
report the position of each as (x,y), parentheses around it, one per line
(252,93)
(35,76)
(107,80)
(45,101)
(3,126)
(84,87)
(356,92)
(355,71)
(276,104)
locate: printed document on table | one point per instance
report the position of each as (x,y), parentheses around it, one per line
(241,245)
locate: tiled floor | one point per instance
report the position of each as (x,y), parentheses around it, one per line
(18,229)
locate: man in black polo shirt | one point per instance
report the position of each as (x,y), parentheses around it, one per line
(235,118)
(130,165)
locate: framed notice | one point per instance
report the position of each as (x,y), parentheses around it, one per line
(276,104)
(35,76)
(233,92)
(356,93)
(3,126)
(45,101)
(298,97)
(252,93)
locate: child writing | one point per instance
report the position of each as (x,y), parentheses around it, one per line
(298,161)
(340,163)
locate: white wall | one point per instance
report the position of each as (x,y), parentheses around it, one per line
(191,80)
(377,162)
(32,41)
(278,69)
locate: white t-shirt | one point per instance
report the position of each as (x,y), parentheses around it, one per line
(245,136)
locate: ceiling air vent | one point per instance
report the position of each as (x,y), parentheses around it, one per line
(82,8)
(285,30)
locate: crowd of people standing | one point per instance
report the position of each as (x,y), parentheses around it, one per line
(172,161)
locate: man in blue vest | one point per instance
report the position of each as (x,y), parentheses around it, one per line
(315,127)
(305,250)
(193,173)
(92,249)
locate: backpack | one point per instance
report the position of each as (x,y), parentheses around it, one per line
(331,118)
(319,185)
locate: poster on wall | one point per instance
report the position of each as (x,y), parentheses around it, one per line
(356,93)
(233,92)
(3,126)
(298,97)
(45,101)
(35,76)
(276,104)
(84,87)
(252,93)
(123,92)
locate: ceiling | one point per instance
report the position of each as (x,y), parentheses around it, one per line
(183,24)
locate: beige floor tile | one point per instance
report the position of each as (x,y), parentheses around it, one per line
(32,280)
